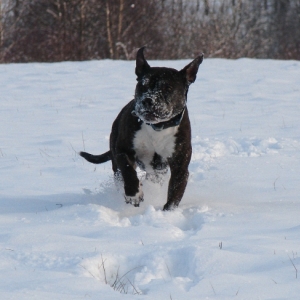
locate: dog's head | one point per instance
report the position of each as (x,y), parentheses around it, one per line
(161,93)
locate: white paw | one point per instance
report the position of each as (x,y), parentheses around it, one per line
(136,199)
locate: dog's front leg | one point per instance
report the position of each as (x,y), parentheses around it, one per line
(132,186)
(178,180)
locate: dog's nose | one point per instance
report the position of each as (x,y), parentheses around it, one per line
(148,102)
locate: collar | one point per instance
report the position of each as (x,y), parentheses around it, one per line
(175,121)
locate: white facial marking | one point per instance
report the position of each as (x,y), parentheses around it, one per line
(145,80)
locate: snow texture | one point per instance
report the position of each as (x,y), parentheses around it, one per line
(66,232)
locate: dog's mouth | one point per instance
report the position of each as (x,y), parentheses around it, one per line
(149,116)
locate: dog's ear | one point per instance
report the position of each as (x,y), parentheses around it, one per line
(190,71)
(141,64)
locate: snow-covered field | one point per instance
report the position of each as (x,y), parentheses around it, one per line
(66,233)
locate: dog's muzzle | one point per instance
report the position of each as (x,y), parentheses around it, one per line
(175,121)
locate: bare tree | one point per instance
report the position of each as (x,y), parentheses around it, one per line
(57,30)
(1,25)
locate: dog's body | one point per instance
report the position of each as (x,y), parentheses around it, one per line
(153,131)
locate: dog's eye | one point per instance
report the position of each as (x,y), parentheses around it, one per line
(168,88)
(145,81)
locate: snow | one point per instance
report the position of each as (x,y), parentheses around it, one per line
(66,232)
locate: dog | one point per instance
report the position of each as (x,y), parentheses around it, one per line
(153,131)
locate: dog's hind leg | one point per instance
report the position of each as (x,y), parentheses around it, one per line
(132,186)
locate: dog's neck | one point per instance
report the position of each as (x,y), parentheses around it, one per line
(175,121)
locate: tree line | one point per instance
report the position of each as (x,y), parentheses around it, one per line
(59,30)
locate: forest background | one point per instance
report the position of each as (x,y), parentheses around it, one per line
(75,30)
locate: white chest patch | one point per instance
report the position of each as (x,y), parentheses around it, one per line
(148,141)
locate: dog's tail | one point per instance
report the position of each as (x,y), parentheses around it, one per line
(96,159)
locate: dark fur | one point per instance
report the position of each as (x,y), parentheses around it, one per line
(160,96)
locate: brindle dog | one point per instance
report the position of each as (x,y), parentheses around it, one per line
(153,131)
